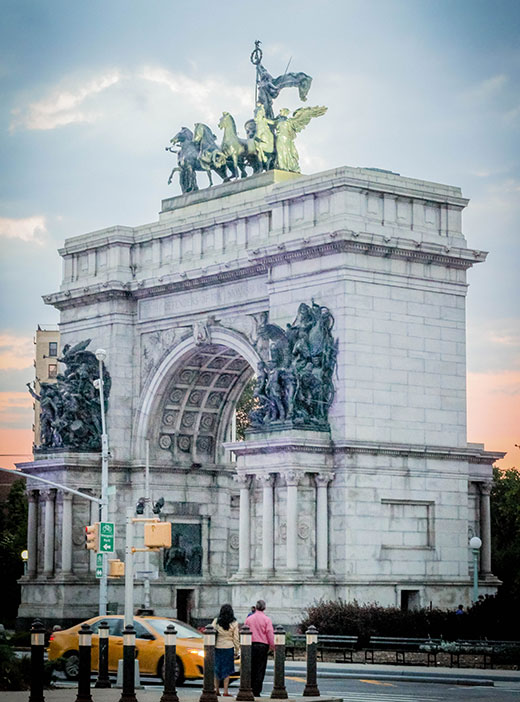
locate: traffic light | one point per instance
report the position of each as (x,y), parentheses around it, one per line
(92,537)
(139,508)
(156,509)
(158,535)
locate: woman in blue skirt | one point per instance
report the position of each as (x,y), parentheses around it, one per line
(227,647)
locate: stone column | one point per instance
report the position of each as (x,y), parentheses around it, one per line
(485,528)
(48,543)
(66,534)
(267,480)
(32,533)
(322,522)
(292,479)
(244,547)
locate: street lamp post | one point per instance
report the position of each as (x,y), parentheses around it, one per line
(475,543)
(101,354)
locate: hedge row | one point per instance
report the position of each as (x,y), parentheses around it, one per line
(489,619)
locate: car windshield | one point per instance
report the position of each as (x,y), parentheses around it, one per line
(184,631)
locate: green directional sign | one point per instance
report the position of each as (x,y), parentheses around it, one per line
(106,537)
(99,565)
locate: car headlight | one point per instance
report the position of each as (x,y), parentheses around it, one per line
(197,652)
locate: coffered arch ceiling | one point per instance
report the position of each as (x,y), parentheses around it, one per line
(197,404)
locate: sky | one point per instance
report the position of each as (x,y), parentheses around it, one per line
(92,92)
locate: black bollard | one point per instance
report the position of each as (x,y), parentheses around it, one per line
(279,692)
(128,693)
(245,693)
(85,649)
(311,686)
(170,665)
(103,680)
(37,650)
(209,694)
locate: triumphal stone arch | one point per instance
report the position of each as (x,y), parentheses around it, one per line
(378,504)
(343,293)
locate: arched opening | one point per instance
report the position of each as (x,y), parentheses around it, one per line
(192,400)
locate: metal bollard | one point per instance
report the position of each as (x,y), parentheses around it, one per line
(37,650)
(245,693)
(279,692)
(103,680)
(170,665)
(85,650)
(209,693)
(128,693)
(311,686)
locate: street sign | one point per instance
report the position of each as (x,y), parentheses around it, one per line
(99,565)
(106,537)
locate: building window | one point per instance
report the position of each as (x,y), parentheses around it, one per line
(53,370)
(53,348)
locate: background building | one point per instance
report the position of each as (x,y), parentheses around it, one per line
(46,352)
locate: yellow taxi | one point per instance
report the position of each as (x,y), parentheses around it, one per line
(149,642)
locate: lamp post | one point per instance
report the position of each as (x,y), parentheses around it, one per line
(475,543)
(101,354)
(25,557)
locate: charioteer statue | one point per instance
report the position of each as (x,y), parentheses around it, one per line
(269,141)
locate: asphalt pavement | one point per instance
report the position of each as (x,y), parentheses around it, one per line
(347,682)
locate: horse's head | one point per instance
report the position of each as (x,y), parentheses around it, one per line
(203,134)
(185,134)
(226,121)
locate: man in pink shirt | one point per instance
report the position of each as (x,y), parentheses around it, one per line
(262,640)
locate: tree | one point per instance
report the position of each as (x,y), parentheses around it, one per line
(245,404)
(13,540)
(505,526)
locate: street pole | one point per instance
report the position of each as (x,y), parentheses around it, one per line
(101,354)
(475,544)
(146,583)
(129,569)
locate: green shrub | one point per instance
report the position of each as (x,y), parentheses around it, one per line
(489,619)
(15,672)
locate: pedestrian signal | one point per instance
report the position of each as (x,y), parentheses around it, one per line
(158,535)
(116,568)
(92,537)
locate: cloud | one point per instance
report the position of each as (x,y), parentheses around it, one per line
(16,352)
(203,94)
(486,89)
(16,410)
(62,106)
(30,229)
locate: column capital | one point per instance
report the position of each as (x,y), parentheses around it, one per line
(323,479)
(242,480)
(292,478)
(266,479)
(64,496)
(33,495)
(48,495)
(486,487)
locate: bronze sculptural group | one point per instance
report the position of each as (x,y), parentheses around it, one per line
(70,412)
(294,380)
(269,141)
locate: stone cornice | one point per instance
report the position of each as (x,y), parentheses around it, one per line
(470,455)
(262,258)
(369,180)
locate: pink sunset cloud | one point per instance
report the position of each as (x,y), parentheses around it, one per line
(494,413)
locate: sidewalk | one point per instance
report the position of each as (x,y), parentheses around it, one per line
(69,695)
